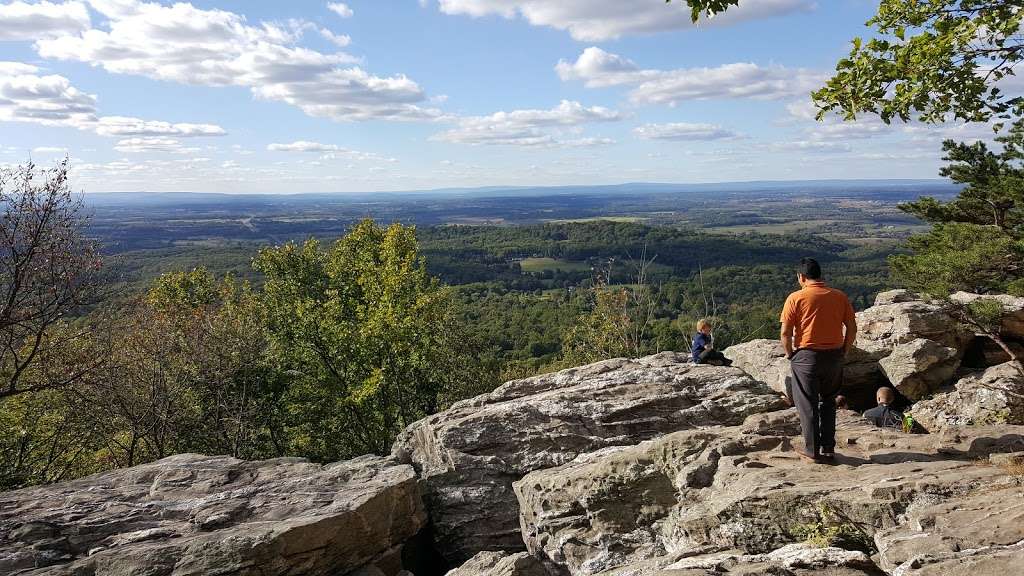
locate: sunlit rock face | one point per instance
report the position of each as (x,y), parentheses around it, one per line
(469,456)
(198,515)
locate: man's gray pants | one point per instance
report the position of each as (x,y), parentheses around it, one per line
(817,377)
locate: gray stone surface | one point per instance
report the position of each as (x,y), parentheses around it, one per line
(918,367)
(1013,310)
(763,359)
(468,456)
(192,515)
(743,488)
(981,528)
(501,564)
(992,396)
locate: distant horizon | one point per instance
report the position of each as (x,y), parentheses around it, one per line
(524,187)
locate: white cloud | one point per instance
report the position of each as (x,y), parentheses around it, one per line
(189,45)
(328,151)
(810,146)
(529,127)
(51,100)
(24,21)
(340,40)
(597,68)
(127,126)
(596,20)
(341,9)
(49,150)
(684,131)
(142,145)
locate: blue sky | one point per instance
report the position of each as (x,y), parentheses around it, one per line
(268,96)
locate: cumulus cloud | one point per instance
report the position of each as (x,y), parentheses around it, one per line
(128,126)
(339,40)
(597,68)
(24,21)
(597,20)
(51,100)
(185,44)
(327,151)
(341,9)
(530,127)
(684,131)
(141,145)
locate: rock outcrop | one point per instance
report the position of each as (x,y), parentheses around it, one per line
(1013,310)
(914,345)
(468,456)
(993,396)
(743,489)
(763,359)
(917,332)
(198,515)
(920,366)
(501,564)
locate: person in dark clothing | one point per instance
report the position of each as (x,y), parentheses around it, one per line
(818,328)
(703,350)
(883,415)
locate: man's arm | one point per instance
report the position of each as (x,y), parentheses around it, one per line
(851,334)
(786,335)
(850,321)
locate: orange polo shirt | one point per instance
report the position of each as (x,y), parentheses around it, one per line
(817,314)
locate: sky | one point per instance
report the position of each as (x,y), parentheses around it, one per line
(381,95)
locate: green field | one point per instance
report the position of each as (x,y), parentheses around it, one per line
(542,264)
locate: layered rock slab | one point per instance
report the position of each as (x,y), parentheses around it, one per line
(791,560)
(501,564)
(468,456)
(992,396)
(195,515)
(742,488)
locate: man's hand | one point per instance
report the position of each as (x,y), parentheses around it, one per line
(786,336)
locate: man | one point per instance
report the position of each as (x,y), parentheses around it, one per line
(818,329)
(883,415)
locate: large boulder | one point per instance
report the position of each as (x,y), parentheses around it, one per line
(763,359)
(989,397)
(893,322)
(1013,310)
(883,327)
(920,366)
(197,515)
(744,489)
(469,455)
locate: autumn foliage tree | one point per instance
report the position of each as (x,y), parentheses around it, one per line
(48,270)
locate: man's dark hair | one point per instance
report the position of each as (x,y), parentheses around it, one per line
(810,268)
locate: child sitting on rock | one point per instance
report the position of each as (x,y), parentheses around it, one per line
(884,415)
(703,350)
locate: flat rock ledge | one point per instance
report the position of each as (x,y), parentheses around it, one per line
(193,515)
(740,494)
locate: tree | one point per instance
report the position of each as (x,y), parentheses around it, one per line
(48,270)
(936,59)
(619,322)
(993,193)
(368,340)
